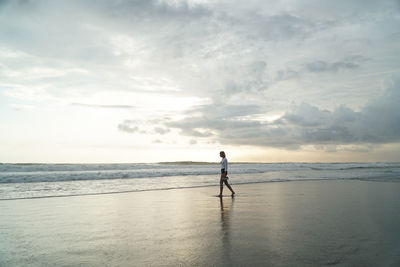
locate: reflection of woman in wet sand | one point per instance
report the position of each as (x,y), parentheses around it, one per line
(224,173)
(226,211)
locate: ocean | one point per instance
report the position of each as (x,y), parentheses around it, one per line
(24,181)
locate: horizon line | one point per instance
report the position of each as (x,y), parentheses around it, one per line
(197,162)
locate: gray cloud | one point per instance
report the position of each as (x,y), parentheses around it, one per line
(322,66)
(350,62)
(215,120)
(193,132)
(284,26)
(193,142)
(287,75)
(132,127)
(161,130)
(103,106)
(128,126)
(378,122)
(250,78)
(226,110)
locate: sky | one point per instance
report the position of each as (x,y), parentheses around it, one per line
(179,80)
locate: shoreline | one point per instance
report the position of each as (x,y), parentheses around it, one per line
(192,187)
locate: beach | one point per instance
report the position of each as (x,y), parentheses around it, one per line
(299,223)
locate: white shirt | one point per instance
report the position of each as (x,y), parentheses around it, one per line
(224,164)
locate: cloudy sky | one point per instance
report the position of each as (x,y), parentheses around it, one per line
(166,80)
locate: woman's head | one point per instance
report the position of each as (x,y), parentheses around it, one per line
(222,154)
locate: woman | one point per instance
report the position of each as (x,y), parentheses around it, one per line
(224,173)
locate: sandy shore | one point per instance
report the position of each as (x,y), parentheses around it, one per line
(345,223)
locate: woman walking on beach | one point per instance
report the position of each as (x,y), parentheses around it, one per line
(224,173)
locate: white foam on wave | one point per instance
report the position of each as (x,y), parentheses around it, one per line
(33,173)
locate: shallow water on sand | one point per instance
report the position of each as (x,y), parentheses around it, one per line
(344,223)
(18,181)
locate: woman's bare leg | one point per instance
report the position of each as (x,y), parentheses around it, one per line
(230,188)
(221,187)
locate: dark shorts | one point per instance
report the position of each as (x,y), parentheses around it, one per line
(226,173)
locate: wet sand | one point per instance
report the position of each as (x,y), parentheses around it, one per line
(314,223)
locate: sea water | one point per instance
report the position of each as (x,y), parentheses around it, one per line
(19,181)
